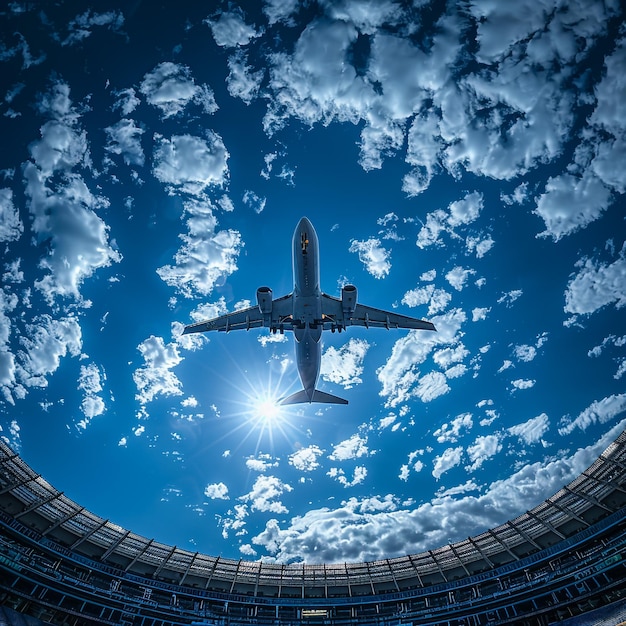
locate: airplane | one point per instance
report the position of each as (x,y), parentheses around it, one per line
(307,311)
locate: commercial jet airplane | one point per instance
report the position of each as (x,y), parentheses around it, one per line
(307,311)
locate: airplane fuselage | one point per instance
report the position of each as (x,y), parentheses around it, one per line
(307,305)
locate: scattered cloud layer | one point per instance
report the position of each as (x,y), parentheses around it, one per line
(351,532)
(126,206)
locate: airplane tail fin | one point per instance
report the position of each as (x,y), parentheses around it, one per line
(300,397)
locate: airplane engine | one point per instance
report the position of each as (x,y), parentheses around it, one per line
(264,298)
(348,299)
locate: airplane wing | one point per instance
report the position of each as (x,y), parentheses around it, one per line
(334,318)
(279,319)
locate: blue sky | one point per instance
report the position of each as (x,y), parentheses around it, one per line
(462,165)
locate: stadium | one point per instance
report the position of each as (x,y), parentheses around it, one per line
(562,561)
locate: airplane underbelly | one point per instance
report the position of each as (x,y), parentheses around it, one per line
(308,357)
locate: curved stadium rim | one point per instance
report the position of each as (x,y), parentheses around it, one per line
(61,563)
(598,494)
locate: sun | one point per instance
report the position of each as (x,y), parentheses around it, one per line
(267,409)
(266,417)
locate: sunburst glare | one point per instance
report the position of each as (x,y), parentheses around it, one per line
(256,410)
(268,409)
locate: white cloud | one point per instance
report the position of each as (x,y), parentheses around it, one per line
(451,457)
(385,422)
(418,296)
(216,491)
(127,100)
(22,48)
(480,313)
(315,83)
(465,211)
(480,245)
(366,15)
(505,366)
(261,463)
(610,340)
(609,154)
(437,299)
(482,449)
(345,366)
(599,411)
(525,353)
(424,147)
(230,30)
(431,386)
(190,163)
(90,383)
(570,203)
(522,383)
(519,195)
(611,91)
(445,357)
(279,10)
(468,485)
(404,473)
(531,431)
(352,448)
(306,459)
(11,227)
(358,476)
(79,237)
(456,371)
(399,376)
(13,273)
(156,377)
(46,342)
(8,375)
(12,438)
(412,463)
(458,276)
(82,25)
(596,285)
(460,213)
(253,201)
(236,521)
(170,88)
(264,340)
(247,550)
(451,432)
(191,401)
(125,139)
(430,275)
(207,256)
(373,255)
(61,204)
(510,297)
(265,493)
(242,82)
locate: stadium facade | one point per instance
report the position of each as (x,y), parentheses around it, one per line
(61,564)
